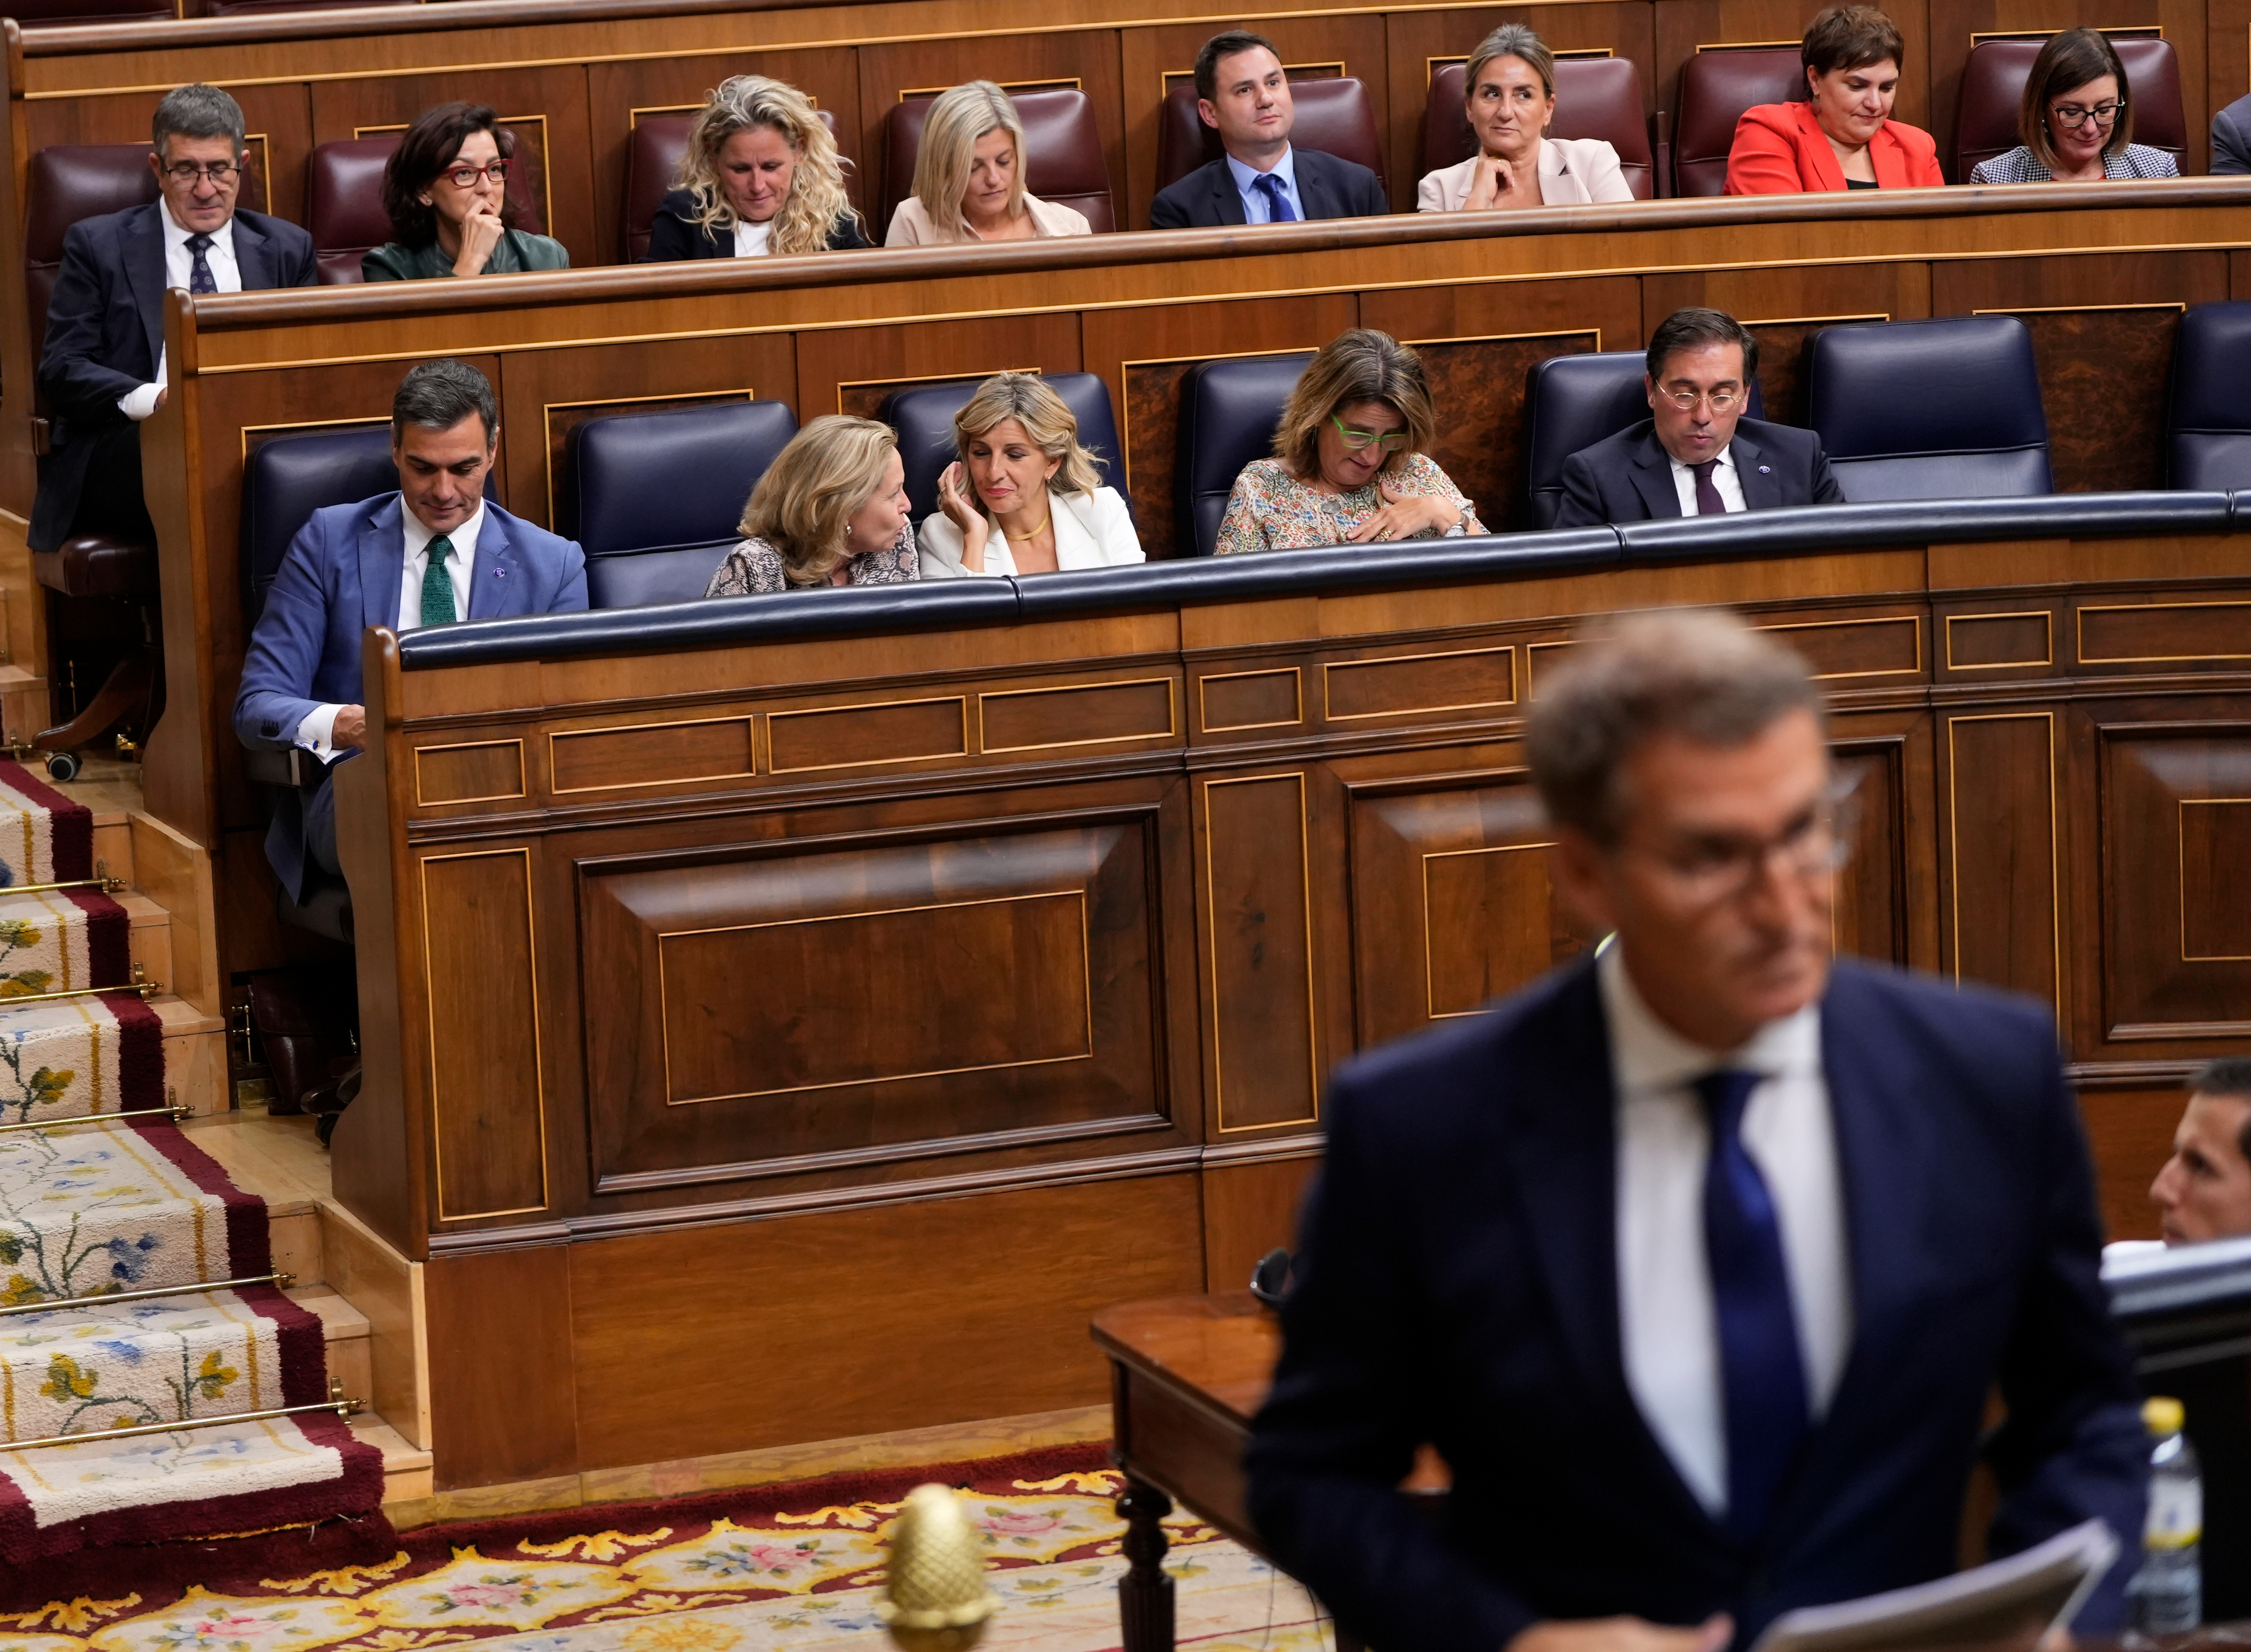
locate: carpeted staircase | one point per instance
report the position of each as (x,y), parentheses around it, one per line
(136,1288)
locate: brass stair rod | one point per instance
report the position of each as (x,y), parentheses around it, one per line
(341,1406)
(140,983)
(174,1114)
(54,1304)
(108,885)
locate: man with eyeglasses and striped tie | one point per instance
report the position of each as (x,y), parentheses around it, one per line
(101,369)
(435,551)
(1696,454)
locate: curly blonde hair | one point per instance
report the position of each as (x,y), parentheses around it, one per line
(956,120)
(830,468)
(1045,419)
(816,199)
(1359,366)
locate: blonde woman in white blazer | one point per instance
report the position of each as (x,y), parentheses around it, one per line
(1023,497)
(1510,99)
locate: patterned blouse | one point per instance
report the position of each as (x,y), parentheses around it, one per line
(2020,165)
(1270,509)
(755,568)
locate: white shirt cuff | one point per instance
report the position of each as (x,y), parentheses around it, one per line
(316,733)
(139,403)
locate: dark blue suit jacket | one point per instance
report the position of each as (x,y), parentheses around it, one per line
(1628,477)
(1329,187)
(1458,1284)
(106,331)
(341,576)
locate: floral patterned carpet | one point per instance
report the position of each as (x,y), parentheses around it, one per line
(769,1568)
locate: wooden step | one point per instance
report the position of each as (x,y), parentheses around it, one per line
(406,1467)
(195,1056)
(278,1160)
(152,936)
(344,1329)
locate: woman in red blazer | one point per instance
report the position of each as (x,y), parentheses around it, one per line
(1843,136)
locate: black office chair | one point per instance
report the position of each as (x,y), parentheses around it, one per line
(1572,402)
(653,498)
(1229,410)
(2208,426)
(1930,410)
(924,417)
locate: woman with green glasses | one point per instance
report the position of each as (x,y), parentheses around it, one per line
(1349,466)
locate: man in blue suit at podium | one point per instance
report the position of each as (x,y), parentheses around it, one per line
(434,553)
(1697,1261)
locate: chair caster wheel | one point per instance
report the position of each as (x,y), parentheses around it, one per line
(63,766)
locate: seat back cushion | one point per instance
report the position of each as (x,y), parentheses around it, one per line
(1595,98)
(1229,410)
(922,415)
(2208,424)
(652,161)
(1973,428)
(288,478)
(1335,114)
(1717,84)
(1064,161)
(1993,84)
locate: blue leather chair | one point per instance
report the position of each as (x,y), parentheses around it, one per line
(652,498)
(1229,410)
(1572,402)
(924,417)
(1930,410)
(2208,427)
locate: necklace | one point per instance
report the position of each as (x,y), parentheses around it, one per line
(1019,538)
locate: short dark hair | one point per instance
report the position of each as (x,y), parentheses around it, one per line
(427,150)
(1693,330)
(2068,60)
(1850,38)
(2228,1076)
(437,395)
(198,111)
(1225,44)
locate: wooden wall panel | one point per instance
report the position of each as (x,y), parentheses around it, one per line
(2130,1131)
(2002,823)
(486,1089)
(852,372)
(278,119)
(1249,1208)
(1036,1264)
(502,1406)
(1262,1065)
(1785,308)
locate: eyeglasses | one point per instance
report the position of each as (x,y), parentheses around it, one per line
(465,177)
(219,172)
(2101,115)
(1686,399)
(1709,871)
(1358,441)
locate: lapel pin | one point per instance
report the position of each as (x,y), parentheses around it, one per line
(1766,470)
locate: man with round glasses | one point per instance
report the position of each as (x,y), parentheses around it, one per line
(1696,454)
(101,369)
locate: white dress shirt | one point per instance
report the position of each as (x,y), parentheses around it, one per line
(751,239)
(316,732)
(179,266)
(1728,485)
(1255,207)
(1666,1327)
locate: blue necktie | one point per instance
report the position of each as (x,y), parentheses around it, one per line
(1761,1372)
(199,271)
(1278,210)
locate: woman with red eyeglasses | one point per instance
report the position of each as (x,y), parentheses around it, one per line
(446,188)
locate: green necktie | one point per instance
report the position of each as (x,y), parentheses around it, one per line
(437,587)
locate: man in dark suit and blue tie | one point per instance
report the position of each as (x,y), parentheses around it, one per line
(1696,454)
(1243,94)
(1697,1261)
(434,553)
(101,369)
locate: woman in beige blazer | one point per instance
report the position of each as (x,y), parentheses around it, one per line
(969,178)
(1511,98)
(1024,497)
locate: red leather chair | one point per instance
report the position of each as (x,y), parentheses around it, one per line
(1063,160)
(1716,86)
(343,203)
(1595,98)
(1993,84)
(653,160)
(1334,116)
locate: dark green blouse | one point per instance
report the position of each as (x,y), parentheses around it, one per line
(517,252)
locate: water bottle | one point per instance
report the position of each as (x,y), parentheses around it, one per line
(2167,1594)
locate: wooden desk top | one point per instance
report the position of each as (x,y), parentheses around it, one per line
(1222,1348)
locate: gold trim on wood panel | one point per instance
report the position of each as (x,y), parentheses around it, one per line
(748,392)
(1172,714)
(421,801)
(1042,83)
(1211,931)
(538,1044)
(1532,652)
(1086,963)
(747,718)
(1203,709)
(844,385)
(1916,620)
(2066,309)
(2085,658)
(2126,30)
(2055,839)
(1400,659)
(958,700)
(2180,850)
(1747,46)
(1815,320)
(2047,624)
(1429,982)
(1595,333)
(1125,378)
(634,115)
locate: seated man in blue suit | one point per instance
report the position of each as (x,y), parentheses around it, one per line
(1697,1259)
(1696,454)
(1241,92)
(101,368)
(435,551)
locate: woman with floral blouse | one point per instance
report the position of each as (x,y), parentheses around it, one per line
(831,510)
(1349,466)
